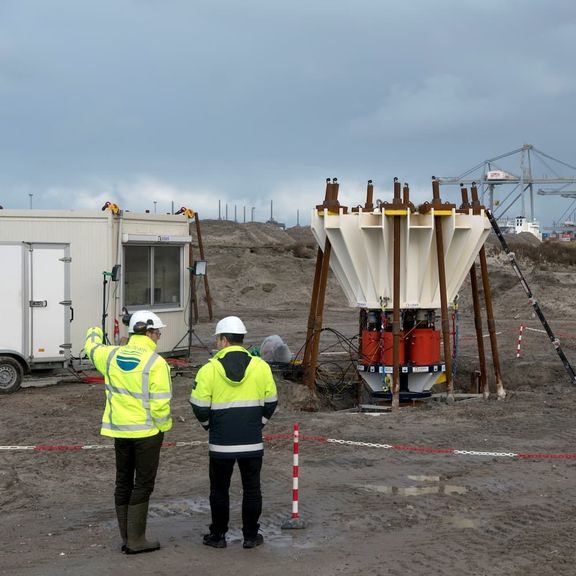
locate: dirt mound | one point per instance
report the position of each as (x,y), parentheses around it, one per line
(522,239)
(251,234)
(259,266)
(513,240)
(301,234)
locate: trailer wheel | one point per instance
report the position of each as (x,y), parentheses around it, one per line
(10,375)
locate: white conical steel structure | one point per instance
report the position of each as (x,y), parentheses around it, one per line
(362,253)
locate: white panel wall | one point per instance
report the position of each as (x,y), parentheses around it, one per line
(363,255)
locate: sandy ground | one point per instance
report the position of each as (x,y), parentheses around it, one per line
(370,510)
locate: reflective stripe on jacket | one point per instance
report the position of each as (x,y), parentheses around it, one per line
(233,397)
(138,386)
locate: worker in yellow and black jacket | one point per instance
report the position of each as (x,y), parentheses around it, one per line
(137,413)
(234,396)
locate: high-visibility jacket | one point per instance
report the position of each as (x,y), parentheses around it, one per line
(138,386)
(234,396)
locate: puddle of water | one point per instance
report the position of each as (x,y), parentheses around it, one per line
(457,522)
(180,507)
(417,490)
(424,478)
(290,542)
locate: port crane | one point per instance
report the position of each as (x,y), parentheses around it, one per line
(566,222)
(518,181)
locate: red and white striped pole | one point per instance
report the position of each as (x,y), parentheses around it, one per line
(295,470)
(295,521)
(519,345)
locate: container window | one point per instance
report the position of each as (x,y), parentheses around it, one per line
(152,276)
(166,275)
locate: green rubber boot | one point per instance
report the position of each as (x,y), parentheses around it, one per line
(137,543)
(122,515)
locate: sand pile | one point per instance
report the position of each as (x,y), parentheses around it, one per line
(258,267)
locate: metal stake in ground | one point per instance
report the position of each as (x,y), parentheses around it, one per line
(294,522)
(519,345)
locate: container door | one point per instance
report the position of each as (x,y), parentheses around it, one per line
(13,298)
(49,302)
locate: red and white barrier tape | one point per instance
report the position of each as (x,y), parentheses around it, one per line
(453,451)
(78,447)
(322,439)
(536,330)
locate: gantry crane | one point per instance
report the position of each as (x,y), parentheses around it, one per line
(490,174)
(566,222)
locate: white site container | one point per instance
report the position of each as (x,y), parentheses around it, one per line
(35,308)
(96,242)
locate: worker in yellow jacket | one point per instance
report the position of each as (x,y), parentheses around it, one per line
(137,413)
(234,396)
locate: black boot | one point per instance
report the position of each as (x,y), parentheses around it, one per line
(122,515)
(137,543)
(215,540)
(251,536)
(253,542)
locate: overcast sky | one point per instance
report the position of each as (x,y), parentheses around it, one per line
(247,101)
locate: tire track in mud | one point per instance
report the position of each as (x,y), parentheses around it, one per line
(497,517)
(14,492)
(505,542)
(517,534)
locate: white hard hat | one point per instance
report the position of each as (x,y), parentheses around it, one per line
(148,319)
(230,325)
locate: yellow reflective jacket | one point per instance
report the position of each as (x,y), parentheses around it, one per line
(234,396)
(138,386)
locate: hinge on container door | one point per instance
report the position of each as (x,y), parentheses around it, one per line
(65,259)
(66,346)
(66,302)
(38,303)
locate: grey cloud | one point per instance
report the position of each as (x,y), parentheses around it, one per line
(248,96)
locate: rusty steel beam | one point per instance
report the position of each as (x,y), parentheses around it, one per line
(313,307)
(443,296)
(202,257)
(193,296)
(310,373)
(501,393)
(316,314)
(484,388)
(369,205)
(478,327)
(396,201)
(491,324)
(396,318)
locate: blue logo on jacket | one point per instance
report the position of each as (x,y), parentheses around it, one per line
(127,363)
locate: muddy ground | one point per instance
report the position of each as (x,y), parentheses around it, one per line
(369,510)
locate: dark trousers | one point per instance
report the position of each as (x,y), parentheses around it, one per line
(136,466)
(220,474)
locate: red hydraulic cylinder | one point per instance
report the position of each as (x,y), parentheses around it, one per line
(388,349)
(371,346)
(424,346)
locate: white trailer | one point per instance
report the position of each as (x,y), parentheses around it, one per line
(35,308)
(152,251)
